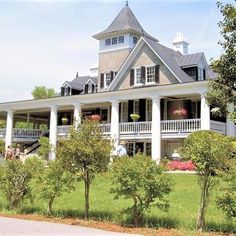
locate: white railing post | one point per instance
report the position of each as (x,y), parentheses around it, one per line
(9,129)
(53,132)
(156,129)
(205,114)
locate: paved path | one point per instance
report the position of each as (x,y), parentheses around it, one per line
(18,227)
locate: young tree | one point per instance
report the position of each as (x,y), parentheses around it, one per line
(142,180)
(53,181)
(85,152)
(221,90)
(2,147)
(15,177)
(40,92)
(210,153)
(44,148)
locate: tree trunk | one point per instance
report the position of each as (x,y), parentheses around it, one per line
(49,210)
(203,204)
(86,194)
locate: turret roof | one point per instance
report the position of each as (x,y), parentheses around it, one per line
(124,22)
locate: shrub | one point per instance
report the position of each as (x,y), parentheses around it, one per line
(142,180)
(15,177)
(181,165)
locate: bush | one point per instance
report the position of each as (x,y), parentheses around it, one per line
(142,180)
(15,177)
(181,165)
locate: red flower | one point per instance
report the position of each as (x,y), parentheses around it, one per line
(180,112)
(95,117)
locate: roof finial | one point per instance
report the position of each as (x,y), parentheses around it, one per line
(127,3)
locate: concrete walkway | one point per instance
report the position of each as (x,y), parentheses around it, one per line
(18,227)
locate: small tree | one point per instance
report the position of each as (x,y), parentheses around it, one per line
(53,181)
(2,147)
(209,152)
(85,152)
(40,92)
(15,177)
(44,148)
(142,180)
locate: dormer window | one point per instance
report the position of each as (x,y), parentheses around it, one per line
(138,79)
(107,79)
(121,39)
(135,40)
(108,42)
(114,40)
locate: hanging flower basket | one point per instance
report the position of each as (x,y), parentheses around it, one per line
(64,120)
(180,112)
(95,117)
(134,117)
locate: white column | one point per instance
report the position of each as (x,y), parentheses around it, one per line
(53,132)
(156,129)
(28,120)
(9,129)
(230,127)
(115,122)
(205,114)
(77,114)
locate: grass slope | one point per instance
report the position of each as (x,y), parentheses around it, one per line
(182,213)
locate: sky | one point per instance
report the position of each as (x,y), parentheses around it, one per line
(46,42)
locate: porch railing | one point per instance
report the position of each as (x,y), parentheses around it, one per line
(135,127)
(63,130)
(27,133)
(2,133)
(180,126)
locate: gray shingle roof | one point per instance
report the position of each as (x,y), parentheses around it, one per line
(189,60)
(125,21)
(169,58)
(79,82)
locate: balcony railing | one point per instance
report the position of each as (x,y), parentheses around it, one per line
(129,128)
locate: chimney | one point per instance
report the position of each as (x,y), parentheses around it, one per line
(180,44)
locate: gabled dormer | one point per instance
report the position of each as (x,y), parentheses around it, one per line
(116,43)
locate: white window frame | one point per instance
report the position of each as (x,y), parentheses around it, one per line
(136,83)
(106,83)
(121,39)
(153,74)
(124,113)
(148,112)
(114,40)
(136,107)
(106,42)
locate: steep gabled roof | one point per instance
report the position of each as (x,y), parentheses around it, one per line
(168,56)
(124,22)
(190,59)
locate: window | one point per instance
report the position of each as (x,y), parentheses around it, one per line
(108,42)
(114,40)
(138,79)
(107,79)
(150,77)
(149,110)
(121,39)
(135,40)
(86,88)
(136,106)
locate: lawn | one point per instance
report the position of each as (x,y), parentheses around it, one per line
(182,213)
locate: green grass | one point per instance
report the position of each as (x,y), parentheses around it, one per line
(182,213)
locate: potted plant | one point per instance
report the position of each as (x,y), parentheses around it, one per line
(64,120)
(134,117)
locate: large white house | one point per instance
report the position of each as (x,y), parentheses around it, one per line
(135,75)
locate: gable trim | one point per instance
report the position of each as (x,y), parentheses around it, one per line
(89,80)
(65,83)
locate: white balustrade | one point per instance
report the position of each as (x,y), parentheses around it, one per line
(106,128)
(217,126)
(27,133)
(63,130)
(180,126)
(135,127)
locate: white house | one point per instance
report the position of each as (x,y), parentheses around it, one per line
(135,74)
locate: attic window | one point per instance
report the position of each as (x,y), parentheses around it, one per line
(135,40)
(108,42)
(121,39)
(114,40)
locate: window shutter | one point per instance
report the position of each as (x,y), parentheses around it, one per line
(143,74)
(157,73)
(112,75)
(132,77)
(130,109)
(102,81)
(63,91)
(142,109)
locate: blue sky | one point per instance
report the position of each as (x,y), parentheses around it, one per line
(47,42)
